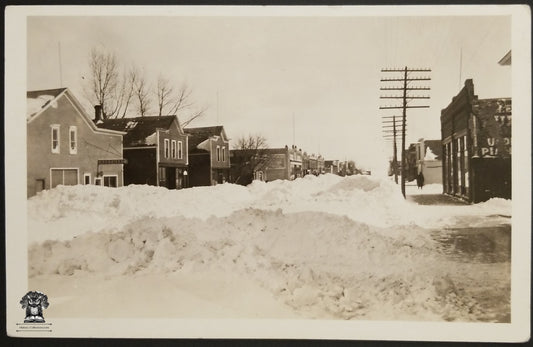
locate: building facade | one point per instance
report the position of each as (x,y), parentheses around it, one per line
(209,159)
(425,156)
(476,146)
(331,166)
(65,147)
(155,149)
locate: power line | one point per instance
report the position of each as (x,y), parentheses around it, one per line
(406,98)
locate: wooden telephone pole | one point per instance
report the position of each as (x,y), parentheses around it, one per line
(389,134)
(405,80)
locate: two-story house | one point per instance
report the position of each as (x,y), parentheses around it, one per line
(209,160)
(155,149)
(64,146)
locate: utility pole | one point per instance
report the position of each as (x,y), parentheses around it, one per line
(60,65)
(389,133)
(406,98)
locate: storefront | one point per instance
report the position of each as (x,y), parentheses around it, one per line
(476,145)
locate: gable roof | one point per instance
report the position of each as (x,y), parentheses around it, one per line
(138,129)
(40,100)
(36,93)
(36,100)
(200,134)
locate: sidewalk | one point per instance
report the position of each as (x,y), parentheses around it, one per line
(430,195)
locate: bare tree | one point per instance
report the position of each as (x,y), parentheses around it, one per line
(104,81)
(164,94)
(129,82)
(142,94)
(251,155)
(253,142)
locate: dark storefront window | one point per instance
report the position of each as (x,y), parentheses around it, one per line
(466,167)
(162,177)
(110,181)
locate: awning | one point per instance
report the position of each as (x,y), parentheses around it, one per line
(112,161)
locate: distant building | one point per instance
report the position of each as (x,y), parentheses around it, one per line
(271,164)
(476,146)
(64,146)
(331,166)
(425,156)
(155,149)
(429,160)
(209,159)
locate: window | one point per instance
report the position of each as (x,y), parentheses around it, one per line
(73,140)
(166,148)
(87,178)
(110,181)
(98,181)
(55,138)
(465,164)
(173,149)
(223,153)
(459,163)
(180,150)
(218,153)
(66,177)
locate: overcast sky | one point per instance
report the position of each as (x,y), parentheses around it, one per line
(323,71)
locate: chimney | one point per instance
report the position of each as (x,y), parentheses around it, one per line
(97,113)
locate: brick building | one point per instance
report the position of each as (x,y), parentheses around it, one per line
(476,146)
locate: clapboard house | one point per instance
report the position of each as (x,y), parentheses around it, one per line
(155,149)
(65,147)
(209,160)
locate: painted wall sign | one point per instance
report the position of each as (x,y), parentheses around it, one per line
(494,129)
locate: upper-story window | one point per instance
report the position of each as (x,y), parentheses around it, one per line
(223,153)
(166,148)
(73,140)
(218,153)
(173,149)
(55,137)
(180,150)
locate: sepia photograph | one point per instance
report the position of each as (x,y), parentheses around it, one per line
(269,172)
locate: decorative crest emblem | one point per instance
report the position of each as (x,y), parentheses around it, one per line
(34,302)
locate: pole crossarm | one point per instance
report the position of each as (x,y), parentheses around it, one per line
(404,69)
(401,97)
(400,107)
(411,88)
(406,79)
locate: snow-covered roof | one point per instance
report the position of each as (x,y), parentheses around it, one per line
(37,100)
(139,130)
(40,100)
(200,134)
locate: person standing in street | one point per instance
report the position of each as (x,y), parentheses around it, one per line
(420,180)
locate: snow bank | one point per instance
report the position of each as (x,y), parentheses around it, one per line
(327,247)
(67,211)
(321,265)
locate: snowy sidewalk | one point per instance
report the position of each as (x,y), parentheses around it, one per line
(430,195)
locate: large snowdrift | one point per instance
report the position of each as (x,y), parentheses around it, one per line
(326,247)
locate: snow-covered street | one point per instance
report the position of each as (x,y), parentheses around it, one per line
(325,247)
